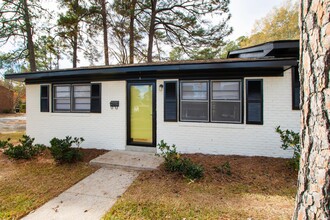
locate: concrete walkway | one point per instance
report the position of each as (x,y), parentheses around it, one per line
(92,197)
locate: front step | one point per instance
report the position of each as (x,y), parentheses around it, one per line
(141,149)
(128,160)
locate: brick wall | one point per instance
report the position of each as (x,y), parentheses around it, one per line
(6,99)
(108,129)
(239,139)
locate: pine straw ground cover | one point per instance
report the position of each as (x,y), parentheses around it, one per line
(26,185)
(258,188)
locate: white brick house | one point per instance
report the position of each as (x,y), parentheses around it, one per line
(229,106)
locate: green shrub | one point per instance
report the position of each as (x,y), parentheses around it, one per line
(63,152)
(290,140)
(25,150)
(224,168)
(4,144)
(175,163)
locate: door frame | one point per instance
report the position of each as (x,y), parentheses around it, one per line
(128,112)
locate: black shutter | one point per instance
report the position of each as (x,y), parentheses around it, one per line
(254,102)
(96,98)
(295,89)
(44,98)
(170,101)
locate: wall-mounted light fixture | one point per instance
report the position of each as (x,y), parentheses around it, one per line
(114,104)
(161,86)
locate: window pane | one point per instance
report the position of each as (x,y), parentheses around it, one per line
(62,104)
(194,86)
(82,91)
(62,89)
(231,95)
(194,111)
(225,85)
(62,92)
(82,107)
(226,90)
(82,104)
(226,111)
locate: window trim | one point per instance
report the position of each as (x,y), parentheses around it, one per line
(71,110)
(261,102)
(207,100)
(227,100)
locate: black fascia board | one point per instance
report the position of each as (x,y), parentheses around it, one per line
(263,50)
(158,71)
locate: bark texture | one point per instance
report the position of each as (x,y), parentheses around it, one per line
(131,31)
(313,196)
(30,44)
(151,30)
(105,32)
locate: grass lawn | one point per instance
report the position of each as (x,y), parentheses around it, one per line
(13,136)
(259,188)
(26,185)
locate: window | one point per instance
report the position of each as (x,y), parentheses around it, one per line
(194,101)
(81,97)
(44,98)
(77,98)
(62,98)
(254,102)
(226,101)
(170,101)
(295,89)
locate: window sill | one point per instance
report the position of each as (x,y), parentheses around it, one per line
(212,125)
(70,114)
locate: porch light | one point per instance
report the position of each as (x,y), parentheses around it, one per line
(161,86)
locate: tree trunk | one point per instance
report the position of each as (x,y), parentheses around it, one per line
(313,196)
(30,45)
(151,30)
(75,38)
(131,31)
(105,33)
(75,50)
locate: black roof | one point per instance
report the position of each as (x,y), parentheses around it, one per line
(275,49)
(239,64)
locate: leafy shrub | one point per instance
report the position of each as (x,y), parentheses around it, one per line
(175,163)
(62,150)
(224,168)
(4,144)
(25,150)
(290,140)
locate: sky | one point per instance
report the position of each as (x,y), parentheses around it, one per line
(244,14)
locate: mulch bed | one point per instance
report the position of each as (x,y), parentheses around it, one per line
(255,171)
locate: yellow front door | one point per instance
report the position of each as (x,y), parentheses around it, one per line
(141,114)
